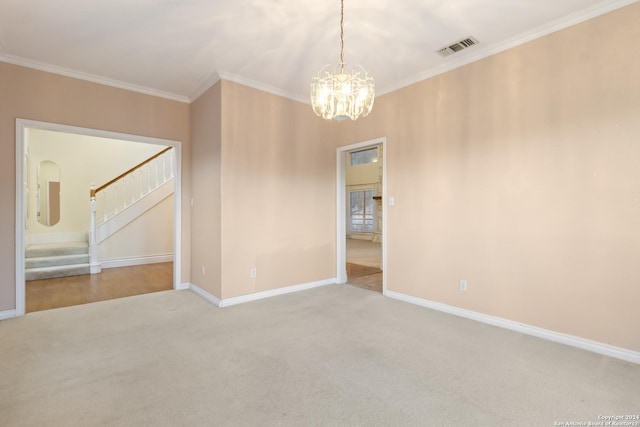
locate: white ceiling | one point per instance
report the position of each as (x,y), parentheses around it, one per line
(176,48)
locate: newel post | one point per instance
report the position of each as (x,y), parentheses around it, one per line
(93,246)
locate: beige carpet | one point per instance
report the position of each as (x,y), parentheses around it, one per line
(331,356)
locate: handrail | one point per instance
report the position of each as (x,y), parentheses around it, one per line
(93,192)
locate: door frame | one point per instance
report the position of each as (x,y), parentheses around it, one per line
(341,208)
(21,127)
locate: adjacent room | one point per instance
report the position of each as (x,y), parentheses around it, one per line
(440,228)
(121,191)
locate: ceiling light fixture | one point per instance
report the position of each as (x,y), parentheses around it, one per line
(342,92)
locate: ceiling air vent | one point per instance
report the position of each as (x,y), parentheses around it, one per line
(457,46)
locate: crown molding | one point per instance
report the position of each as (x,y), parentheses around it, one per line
(484,52)
(481,52)
(263,87)
(223,75)
(205,86)
(23,62)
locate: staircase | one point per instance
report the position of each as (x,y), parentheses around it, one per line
(119,202)
(47,261)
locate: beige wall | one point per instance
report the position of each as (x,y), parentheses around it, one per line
(278,192)
(82,160)
(205,213)
(36,95)
(519,173)
(264,192)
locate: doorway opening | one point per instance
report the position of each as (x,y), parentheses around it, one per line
(361,215)
(43,237)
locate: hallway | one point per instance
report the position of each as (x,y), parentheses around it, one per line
(112,283)
(364,263)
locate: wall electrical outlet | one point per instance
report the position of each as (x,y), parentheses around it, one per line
(463,285)
(203,270)
(253,273)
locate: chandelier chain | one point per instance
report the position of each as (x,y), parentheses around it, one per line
(341,35)
(342,91)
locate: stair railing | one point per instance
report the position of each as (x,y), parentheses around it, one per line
(123,191)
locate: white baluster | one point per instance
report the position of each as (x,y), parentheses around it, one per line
(133,187)
(170,152)
(157,166)
(164,167)
(148,177)
(93,246)
(167,163)
(116,204)
(130,189)
(123,191)
(109,201)
(105,203)
(123,186)
(139,178)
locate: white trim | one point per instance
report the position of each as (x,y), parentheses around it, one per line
(142,260)
(481,52)
(21,126)
(108,228)
(183,287)
(274,292)
(341,217)
(570,340)
(221,75)
(205,86)
(264,87)
(20,217)
(7,314)
(341,213)
(258,295)
(204,294)
(177,216)
(36,65)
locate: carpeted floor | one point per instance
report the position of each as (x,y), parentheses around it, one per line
(330,356)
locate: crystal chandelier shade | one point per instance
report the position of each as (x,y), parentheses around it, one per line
(343,91)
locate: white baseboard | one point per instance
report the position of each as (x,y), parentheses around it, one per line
(585,344)
(7,314)
(204,294)
(274,292)
(127,262)
(55,238)
(258,295)
(182,286)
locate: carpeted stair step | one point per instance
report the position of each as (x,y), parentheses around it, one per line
(53,261)
(58,271)
(50,250)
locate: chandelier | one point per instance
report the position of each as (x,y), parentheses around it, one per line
(342,92)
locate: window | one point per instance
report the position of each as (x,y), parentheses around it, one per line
(362,211)
(362,157)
